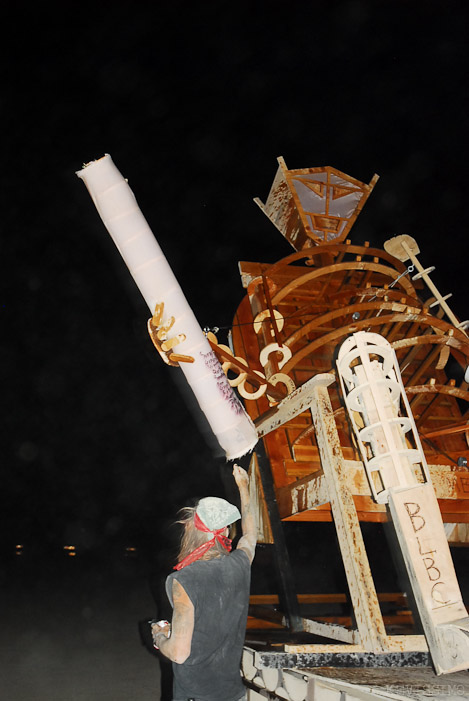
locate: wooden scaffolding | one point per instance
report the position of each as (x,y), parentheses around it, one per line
(284,342)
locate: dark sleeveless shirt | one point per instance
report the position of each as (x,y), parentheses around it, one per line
(219,591)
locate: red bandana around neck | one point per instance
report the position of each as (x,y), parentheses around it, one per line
(202,549)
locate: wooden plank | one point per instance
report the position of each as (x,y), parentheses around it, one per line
(450,482)
(292,406)
(280,207)
(300,470)
(305,452)
(303,495)
(398,598)
(266,613)
(402,643)
(457,534)
(258,503)
(430,389)
(451,487)
(282,559)
(254,623)
(322,514)
(418,526)
(331,630)
(286,264)
(362,591)
(278,451)
(455,517)
(324,322)
(360,325)
(336,649)
(250,270)
(348,266)
(394,643)
(404,618)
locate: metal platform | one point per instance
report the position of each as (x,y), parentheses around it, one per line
(306,660)
(270,675)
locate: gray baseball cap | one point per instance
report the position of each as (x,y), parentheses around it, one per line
(217,513)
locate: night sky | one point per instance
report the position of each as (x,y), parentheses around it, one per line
(194,101)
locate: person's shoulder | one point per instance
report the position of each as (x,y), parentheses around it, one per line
(182,576)
(236,552)
(241,556)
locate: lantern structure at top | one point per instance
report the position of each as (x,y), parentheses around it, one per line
(314,205)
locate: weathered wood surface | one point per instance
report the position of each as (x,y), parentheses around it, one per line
(362,590)
(311,491)
(286,207)
(426,553)
(317,316)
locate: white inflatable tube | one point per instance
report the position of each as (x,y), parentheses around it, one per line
(148,266)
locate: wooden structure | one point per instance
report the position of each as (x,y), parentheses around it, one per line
(288,327)
(285,337)
(298,314)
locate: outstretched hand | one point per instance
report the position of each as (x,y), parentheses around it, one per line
(240,476)
(248,540)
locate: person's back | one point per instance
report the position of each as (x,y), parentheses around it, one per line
(209,593)
(219,591)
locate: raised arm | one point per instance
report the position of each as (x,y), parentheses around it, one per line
(177,647)
(248,521)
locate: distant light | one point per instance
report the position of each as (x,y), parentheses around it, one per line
(19,549)
(72,553)
(130,551)
(70,548)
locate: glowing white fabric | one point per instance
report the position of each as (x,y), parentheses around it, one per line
(135,241)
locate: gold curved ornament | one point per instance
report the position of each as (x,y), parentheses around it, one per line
(159,335)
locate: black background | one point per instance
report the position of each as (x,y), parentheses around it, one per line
(194,101)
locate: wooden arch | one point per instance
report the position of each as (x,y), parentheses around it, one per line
(337,268)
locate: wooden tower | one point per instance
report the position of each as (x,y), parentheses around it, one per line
(285,337)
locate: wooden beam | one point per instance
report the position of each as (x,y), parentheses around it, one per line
(357,569)
(223,356)
(422,539)
(398,598)
(331,630)
(393,643)
(282,559)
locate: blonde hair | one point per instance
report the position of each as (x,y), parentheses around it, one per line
(192,538)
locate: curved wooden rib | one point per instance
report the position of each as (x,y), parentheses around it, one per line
(342,267)
(438,389)
(459,342)
(345,311)
(363,294)
(332,250)
(447,430)
(363,324)
(457,346)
